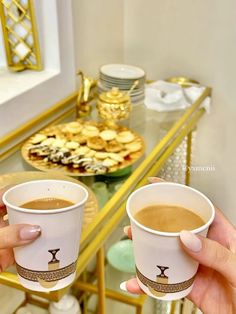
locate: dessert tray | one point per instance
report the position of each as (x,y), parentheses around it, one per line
(83,148)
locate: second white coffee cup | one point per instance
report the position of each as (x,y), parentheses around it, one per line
(164,271)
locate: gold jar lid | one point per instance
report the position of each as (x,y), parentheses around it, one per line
(115,96)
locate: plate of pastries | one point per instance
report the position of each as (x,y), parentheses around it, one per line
(83,148)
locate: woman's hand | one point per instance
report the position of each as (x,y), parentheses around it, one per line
(13,236)
(214,289)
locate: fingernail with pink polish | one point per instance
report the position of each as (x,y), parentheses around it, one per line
(126,229)
(191,241)
(123,286)
(154,179)
(29,232)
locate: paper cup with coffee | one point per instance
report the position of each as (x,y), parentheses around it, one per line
(48,263)
(158,212)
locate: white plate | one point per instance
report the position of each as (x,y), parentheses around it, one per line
(105,85)
(123,71)
(121,86)
(121,80)
(132,94)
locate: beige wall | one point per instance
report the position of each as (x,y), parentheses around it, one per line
(168,37)
(99,29)
(195,39)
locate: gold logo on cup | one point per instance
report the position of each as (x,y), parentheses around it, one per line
(48,279)
(161,279)
(53,264)
(160,287)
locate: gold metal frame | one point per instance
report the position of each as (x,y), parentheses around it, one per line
(102,226)
(22,50)
(188,158)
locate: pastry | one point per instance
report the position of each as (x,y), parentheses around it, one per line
(96,168)
(90,131)
(116,157)
(74,125)
(101,155)
(90,153)
(40,150)
(82,150)
(73,128)
(96,143)
(125,137)
(113,146)
(124,153)
(38,138)
(108,135)
(72,145)
(58,143)
(135,155)
(80,138)
(57,156)
(48,141)
(134,146)
(108,162)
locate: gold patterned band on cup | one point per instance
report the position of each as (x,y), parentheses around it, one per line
(164,287)
(49,275)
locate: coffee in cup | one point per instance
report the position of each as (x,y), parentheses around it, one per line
(168,218)
(47,203)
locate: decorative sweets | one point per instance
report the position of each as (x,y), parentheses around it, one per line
(114,146)
(108,135)
(133,146)
(96,143)
(125,137)
(72,128)
(39,138)
(90,131)
(83,148)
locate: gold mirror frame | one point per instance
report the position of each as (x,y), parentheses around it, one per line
(20,35)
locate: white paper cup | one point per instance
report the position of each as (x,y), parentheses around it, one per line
(48,263)
(164,271)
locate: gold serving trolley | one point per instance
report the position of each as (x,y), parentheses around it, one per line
(159,147)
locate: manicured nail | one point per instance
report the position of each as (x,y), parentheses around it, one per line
(154,179)
(123,286)
(30,232)
(191,241)
(126,229)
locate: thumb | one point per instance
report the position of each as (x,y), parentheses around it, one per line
(17,235)
(211,254)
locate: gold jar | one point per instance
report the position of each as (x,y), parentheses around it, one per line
(114,105)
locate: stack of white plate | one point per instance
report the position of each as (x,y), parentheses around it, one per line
(122,76)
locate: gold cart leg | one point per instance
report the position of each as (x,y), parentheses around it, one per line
(173,307)
(139,309)
(101,281)
(85,301)
(188,158)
